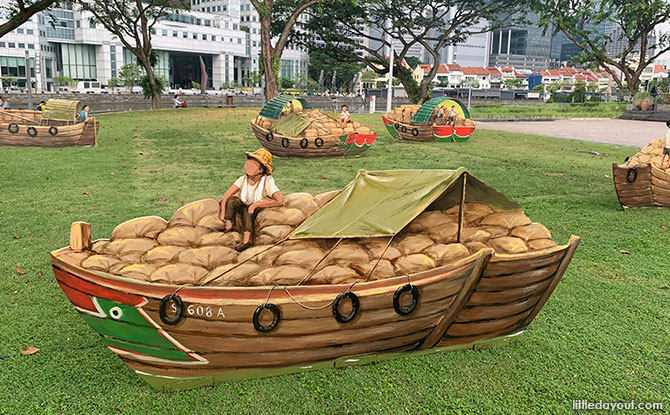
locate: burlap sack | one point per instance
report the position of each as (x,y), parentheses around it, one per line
(275,233)
(146,227)
(122,247)
(411,264)
(182,236)
(331,274)
(376,247)
(303,201)
(323,198)
(444,233)
(238,277)
(508,245)
(306,258)
(284,275)
(162,255)
(495,231)
(475,247)
(103,263)
(229,239)
(279,216)
(347,253)
(262,254)
(140,272)
(208,256)
(99,246)
(453,252)
(473,212)
(429,220)
(474,235)
(192,213)
(506,219)
(384,269)
(413,244)
(537,244)
(178,274)
(531,232)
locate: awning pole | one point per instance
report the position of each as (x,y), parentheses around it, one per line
(461,209)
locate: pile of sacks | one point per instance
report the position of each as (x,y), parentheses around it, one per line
(191,249)
(321,124)
(403,114)
(651,153)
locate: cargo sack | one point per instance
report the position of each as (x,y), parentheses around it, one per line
(508,245)
(332,274)
(411,264)
(182,236)
(179,274)
(531,232)
(208,257)
(104,263)
(200,213)
(283,275)
(146,227)
(140,272)
(162,255)
(238,277)
(229,239)
(507,220)
(304,258)
(279,216)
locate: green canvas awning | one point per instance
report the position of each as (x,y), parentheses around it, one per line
(273,108)
(290,125)
(382,203)
(423,114)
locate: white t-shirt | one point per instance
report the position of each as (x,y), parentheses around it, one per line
(263,189)
(345,115)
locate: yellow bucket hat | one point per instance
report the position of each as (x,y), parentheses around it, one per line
(264,157)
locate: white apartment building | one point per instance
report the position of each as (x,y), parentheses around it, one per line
(67,42)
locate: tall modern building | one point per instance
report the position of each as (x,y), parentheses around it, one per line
(474,51)
(521,47)
(67,42)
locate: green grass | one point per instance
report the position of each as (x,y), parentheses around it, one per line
(602,335)
(541,110)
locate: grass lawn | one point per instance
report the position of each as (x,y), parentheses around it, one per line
(603,335)
(589,110)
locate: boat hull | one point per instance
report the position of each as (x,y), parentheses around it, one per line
(641,186)
(353,144)
(20,132)
(426,132)
(216,341)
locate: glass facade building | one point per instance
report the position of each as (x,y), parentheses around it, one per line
(523,47)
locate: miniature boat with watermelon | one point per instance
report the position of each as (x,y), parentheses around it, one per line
(422,123)
(178,333)
(56,126)
(641,182)
(289,127)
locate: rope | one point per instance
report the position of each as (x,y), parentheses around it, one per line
(309,275)
(380,258)
(305,306)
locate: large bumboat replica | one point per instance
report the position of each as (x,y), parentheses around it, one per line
(399,261)
(56,126)
(429,122)
(641,181)
(289,127)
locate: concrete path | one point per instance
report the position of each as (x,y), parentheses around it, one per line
(598,130)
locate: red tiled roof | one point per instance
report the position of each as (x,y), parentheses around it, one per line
(659,69)
(453,67)
(475,70)
(493,71)
(442,69)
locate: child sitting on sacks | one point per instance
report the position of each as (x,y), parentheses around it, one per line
(249,193)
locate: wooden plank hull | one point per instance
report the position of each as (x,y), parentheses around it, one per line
(509,295)
(28,134)
(215,340)
(427,132)
(328,146)
(641,186)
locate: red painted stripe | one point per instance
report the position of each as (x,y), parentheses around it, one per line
(96,290)
(78,298)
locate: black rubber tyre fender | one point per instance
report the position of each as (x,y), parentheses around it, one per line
(284,142)
(631,176)
(304,143)
(318,142)
(32,131)
(53,130)
(269,136)
(171,321)
(396,299)
(13,127)
(355,307)
(415,131)
(396,125)
(276,316)
(403,128)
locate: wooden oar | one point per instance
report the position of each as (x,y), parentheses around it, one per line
(18,116)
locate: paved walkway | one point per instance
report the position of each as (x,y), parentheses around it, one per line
(598,130)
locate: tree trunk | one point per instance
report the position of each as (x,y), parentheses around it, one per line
(417,94)
(155,94)
(267,56)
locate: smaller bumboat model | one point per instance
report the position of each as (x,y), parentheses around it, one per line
(641,181)
(399,261)
(430,121)
(56,126)
(288,127)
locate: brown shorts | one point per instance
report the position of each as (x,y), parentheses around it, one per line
(666,151)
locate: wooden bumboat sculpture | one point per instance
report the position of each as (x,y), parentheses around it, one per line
(352,283)
(288,127)
(429,122)
(56,126)
(641,182)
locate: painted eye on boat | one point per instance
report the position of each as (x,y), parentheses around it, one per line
(116,313)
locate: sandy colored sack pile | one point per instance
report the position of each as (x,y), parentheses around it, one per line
(651,153)
(405,113)
(321,125)
(191,249)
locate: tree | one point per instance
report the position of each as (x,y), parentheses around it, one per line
(130,74)
(252,78)
(431,24)
(114,82)
(634,21)
(277,18)
(286,83)
(329,62)
(133,21)
(306,85)
(513,83)
(413,61)
(20,11)
(65,81)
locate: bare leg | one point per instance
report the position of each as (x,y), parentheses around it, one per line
(228,225)
(246,237)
